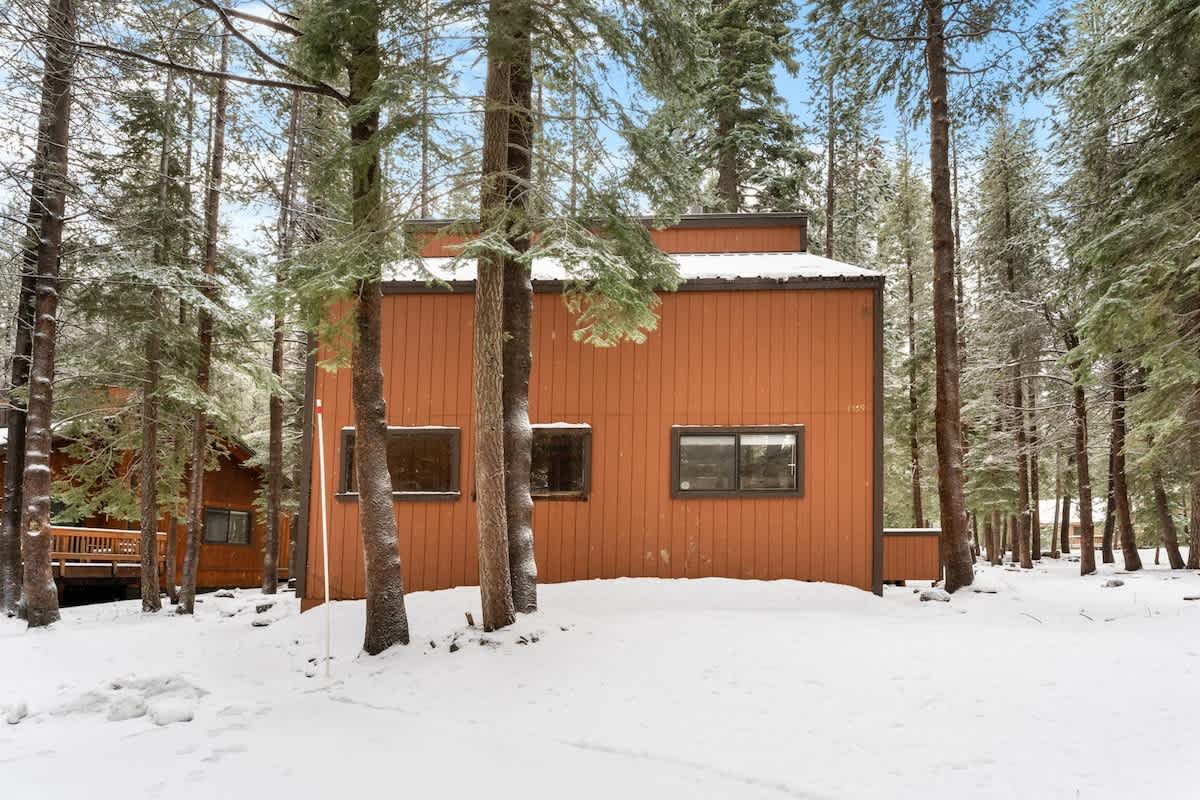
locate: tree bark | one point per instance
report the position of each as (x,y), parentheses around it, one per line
(1170,537)
(14,465)
(1110,509)
(1026,527)
(1193,428)
(495,583)
(39,592)
(199,431)
(387,618)
(270,577)
(830,194)
(1058,495)
(1133,561)
(518,316)
(914,447)
(997,538)
(956,549)
(1087,537)
(1063,530)
(1035,515)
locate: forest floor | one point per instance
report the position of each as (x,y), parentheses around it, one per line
(1054,686)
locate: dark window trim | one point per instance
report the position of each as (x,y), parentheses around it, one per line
(711,430)
(585,431)
(249,512)
(452,495)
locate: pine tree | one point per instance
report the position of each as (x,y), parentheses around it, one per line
(39,593)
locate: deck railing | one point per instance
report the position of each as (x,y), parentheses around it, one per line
(100,546)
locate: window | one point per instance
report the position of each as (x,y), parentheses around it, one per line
(562,461)
(719,462)
(423,462)
(226,526)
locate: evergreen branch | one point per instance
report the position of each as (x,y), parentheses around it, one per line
(245,16)
(283,66)
(172,64)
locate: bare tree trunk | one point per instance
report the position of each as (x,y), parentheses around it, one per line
(1026,523)
(199,437)
(1018,423)
(1110,509)
(1087,536)
(1058,494)
(1193,428)
(518,318)
(989,537)
(1002,527)
(387,618)
(39,592)
(495,583)
(270,578)
(830,194)
(1133,561)
(1035,515)
(914,448)
(1170,537)
(956,549)
(997,537)
(14,465)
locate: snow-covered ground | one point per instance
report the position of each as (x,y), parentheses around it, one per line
(1055,686)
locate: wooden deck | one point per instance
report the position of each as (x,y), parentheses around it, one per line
(100,552)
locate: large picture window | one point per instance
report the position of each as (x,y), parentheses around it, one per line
(724,462)
(561,461)
(423,462)
(226,526)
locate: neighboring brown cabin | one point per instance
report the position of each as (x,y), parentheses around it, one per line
(742,439)
(102,553)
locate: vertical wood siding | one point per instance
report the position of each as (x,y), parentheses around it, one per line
(757,357)
(913,558)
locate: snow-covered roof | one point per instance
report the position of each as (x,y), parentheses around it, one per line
(692,266)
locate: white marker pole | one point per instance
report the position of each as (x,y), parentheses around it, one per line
(324,535)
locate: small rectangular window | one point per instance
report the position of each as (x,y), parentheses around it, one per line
(751,461)
(561,461)
(226,526)
(423,462)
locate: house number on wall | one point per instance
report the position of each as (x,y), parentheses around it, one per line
(856,408)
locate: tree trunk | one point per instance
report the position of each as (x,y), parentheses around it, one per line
(387,618)
(39,592)
(14,465)
(989,534)
(1087,537)
(518,318)
(830,194)
(997,538)
(1035,515)
(1133,561)
(914,448)
(1063,531)
(270,577)
(1193,428)
(1026,528)
(1058,494)
(199,432)
(956,548)
(1110,514)
(1170,536)
(495,583)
